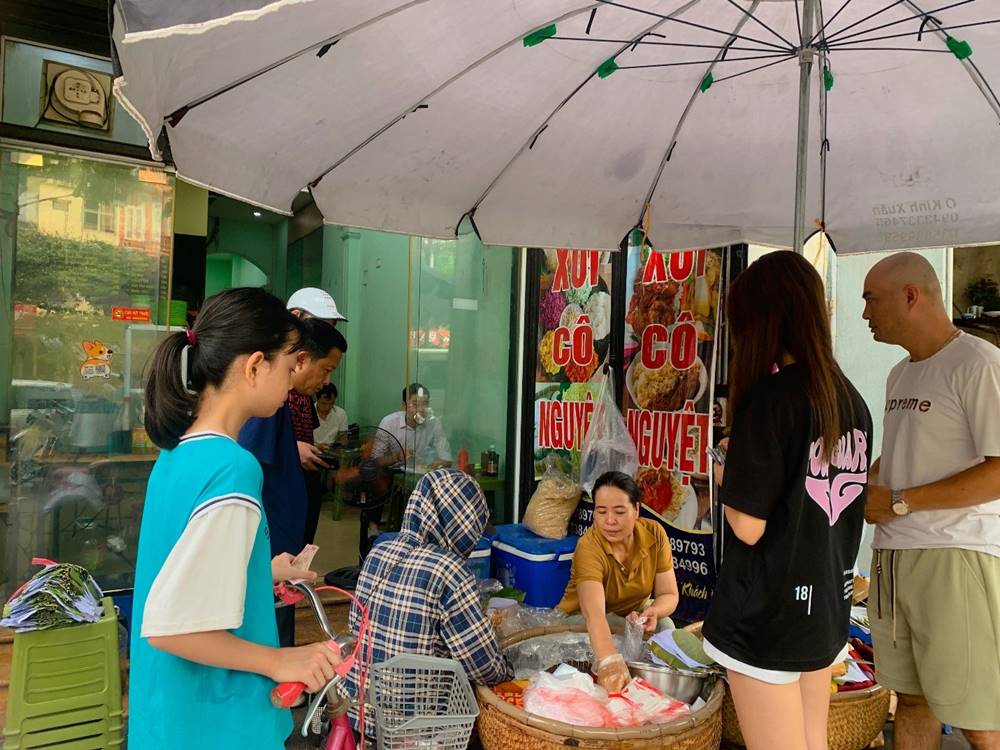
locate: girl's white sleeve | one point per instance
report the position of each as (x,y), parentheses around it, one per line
(202,584)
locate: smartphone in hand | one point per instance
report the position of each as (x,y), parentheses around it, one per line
(718,454)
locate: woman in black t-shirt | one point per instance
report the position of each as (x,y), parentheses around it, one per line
(794,495)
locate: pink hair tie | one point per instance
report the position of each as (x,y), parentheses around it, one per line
(192,337)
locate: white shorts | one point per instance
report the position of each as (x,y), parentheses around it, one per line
(771,676)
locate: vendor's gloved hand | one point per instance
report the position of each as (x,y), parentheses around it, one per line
(612,673)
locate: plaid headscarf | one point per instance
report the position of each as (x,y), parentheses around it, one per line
(421,595)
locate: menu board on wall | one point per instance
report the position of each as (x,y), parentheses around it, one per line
(670,350)
(573,340)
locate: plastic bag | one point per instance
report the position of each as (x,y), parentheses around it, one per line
(521,618)
(607,445)
(653,707)
(569,696)
(552,505)
(541,653)
(631,646)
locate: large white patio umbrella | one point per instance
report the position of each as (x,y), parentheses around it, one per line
(557,122)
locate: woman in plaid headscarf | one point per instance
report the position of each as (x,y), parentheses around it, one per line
(421,595)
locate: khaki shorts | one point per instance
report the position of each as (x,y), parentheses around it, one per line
(935,617)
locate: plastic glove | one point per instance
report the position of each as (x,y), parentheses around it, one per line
(612,673)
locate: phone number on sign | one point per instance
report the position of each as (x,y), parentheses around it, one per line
(692,566)
(687,547)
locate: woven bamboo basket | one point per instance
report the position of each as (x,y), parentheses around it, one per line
(503,726)
(856,717)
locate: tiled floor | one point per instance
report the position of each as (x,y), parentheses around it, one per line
(337,540)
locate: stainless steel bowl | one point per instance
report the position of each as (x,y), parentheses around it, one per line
(681,684)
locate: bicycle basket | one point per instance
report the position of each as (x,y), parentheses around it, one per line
(421,703)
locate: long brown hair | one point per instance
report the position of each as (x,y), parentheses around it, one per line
(778,305)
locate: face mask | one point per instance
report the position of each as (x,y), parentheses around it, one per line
(423,416)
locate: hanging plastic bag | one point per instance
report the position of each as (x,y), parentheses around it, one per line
(632,642)
(552,504)
(608,445)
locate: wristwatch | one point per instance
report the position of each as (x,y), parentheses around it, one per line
(899,505)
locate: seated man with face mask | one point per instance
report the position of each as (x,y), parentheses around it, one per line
(419,432)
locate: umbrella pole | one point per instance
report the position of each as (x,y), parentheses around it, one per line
(806,56)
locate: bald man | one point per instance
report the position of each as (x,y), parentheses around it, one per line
(935,497)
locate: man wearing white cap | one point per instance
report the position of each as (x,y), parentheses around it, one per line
(310,302)
(315,303)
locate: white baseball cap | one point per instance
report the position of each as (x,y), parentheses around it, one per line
(316,302)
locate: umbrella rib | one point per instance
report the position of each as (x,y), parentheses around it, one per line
(889,49)
(838,36)
(672,142)
(798,21)
(530,142)
(836,45)
(890,6)
(761,23)
(689,23)
(662,44)
(824,145)
(493,53)
(978,79)
(782,55)
(175,116)
(754,70)
(832,18)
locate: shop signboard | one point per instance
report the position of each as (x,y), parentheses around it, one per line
(573,341)
(670,357)
(671,349)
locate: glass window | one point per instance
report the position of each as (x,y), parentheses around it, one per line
(459,350)
(79,308)
(432,312)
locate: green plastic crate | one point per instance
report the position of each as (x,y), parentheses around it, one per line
(65,688)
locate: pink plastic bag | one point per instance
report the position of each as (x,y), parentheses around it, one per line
(623,711)
(653,706)
(568,699)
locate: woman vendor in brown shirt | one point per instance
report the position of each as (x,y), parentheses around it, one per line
(622,565)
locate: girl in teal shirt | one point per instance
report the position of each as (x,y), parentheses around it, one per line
(204,645)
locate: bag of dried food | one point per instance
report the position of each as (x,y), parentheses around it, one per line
(552,505)
(607,445)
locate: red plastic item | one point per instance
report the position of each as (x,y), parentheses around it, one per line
(287,595)
(463,461)
(341,736)
(285,694)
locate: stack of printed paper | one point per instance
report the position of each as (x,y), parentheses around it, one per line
(58,595)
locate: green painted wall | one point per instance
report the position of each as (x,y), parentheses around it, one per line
(379,338)
(227,271)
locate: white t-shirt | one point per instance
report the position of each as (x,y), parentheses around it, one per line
(334,424)
(942,416)
(426,442)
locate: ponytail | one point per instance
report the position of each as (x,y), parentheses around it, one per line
(231,324)
(169,405)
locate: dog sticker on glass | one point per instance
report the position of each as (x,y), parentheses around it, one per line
(97,364)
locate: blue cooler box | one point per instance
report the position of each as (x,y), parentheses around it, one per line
(537,566)
(479,560)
